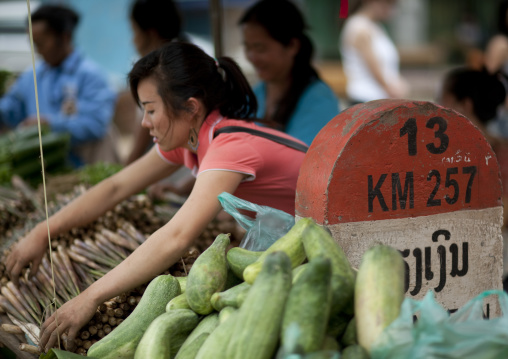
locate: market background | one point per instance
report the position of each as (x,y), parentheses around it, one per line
(432,36)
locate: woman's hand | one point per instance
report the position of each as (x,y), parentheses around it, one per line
(71,317)
(30,249)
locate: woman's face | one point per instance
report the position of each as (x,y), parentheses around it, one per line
(168,130)
(271,60)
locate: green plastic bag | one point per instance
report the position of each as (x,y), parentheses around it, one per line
(437,334)
(268,225)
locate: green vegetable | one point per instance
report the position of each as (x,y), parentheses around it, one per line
(207,276)
(354,352)
(166,334)
(178,302)
(349,336)
(379,292)
(233,297)
(290,243)
(308,305)
(206,326)
(259,319)
(239,258)
(319,243)
(121,343)
(225,313)
(215,345)
(190,351)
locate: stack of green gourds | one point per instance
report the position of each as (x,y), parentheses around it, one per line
(299,299)
(20,152)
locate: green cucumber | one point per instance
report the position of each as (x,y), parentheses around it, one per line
(191,350)
(239,258)
(166,334)
(260,317)
(183,283)
(290,243)
(349,336)
(207,325)
(121,343)
(225,313)
(178,302)
(379,292)
(318,242)
(308,305)
(214,346)
(354,352)
(232,297)
(207,276)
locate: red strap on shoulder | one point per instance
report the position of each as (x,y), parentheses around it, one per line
(344,9)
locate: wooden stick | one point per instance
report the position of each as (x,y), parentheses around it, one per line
(32,349)
(12,329)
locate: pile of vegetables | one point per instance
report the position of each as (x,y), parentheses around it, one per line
(20,153)
(83,255)
(298,299)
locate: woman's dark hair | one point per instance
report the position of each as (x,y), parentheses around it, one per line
(284,22)
(159,15)
(486,91)
(60,19)
(183,70)
(502,13)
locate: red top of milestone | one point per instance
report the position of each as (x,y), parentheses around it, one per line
(391,159)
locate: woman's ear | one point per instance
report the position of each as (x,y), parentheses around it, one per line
(193,106)
(294,46)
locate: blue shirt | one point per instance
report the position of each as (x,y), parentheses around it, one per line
(77,79)
(318,104)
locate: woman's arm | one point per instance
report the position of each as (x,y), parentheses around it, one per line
(161,250)
(86,208)
(363,43)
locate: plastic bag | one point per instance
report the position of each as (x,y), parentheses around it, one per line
(437,334)
(269,225)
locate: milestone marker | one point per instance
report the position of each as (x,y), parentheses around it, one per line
(415,176)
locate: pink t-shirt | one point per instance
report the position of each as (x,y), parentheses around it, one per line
(272,168)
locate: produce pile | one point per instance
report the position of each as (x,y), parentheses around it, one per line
(298,299)
(20,152)
(83,255)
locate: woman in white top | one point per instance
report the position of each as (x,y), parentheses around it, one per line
(369,57)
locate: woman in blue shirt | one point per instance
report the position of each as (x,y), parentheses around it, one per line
(291,96)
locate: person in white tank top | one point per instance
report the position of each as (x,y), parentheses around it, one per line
(369,57)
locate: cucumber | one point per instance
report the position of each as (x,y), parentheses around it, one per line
(349,336)
(318,242)
(330,343)
(337,324)
(214,346)
(232,297)
(183,283)
(379,292)
(239,258)
(206,326)
(225,313)
(121,343)
(190,351)
(355,352)
(290,243)
(207,276)
(308,305)
(166,334)
(298,271)
(260,316)
(178,302)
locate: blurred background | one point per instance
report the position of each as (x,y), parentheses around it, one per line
(431,35)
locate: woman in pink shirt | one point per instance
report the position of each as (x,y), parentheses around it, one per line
(188,98)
